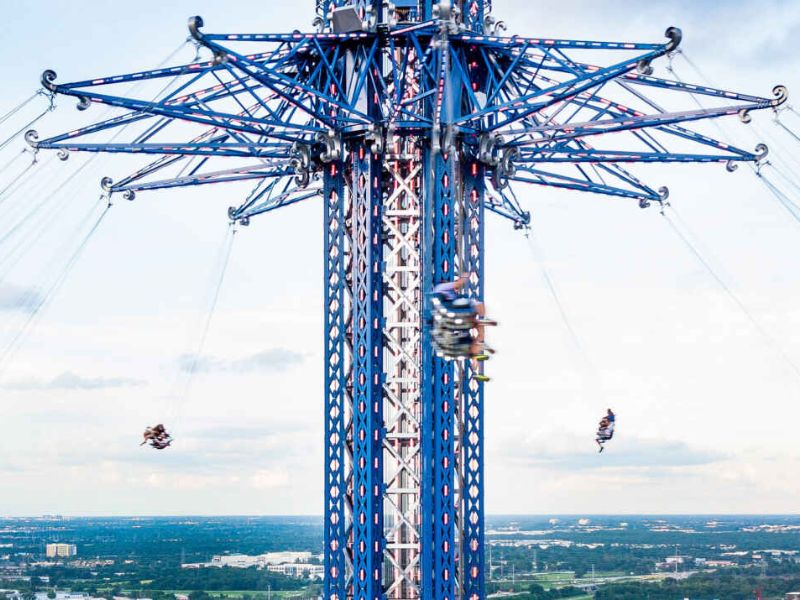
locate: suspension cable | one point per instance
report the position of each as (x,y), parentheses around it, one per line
(11,162)
(784,176)
(20,106)
(14,181)
(43,202)
(11,138)
(783,199)
(783,126)
(730,293)
(538,257)
(592,381)
(224,261)
(44,299)
(792,208)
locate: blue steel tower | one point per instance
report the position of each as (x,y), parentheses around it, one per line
(407,121)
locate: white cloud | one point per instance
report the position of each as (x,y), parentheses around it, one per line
(18,299)
(273,359)
(624,452)
(71,381)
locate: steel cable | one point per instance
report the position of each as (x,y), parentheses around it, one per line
(731,294)
(782,198)
(11,162)
(787,130)
(536,253)
(592,380)
(14,181)
(13,136)
(9,233)
(19,107)
(44,299)
(223,262)
(792,208)
(780,173)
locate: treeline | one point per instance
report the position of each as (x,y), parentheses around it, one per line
(155,578)
(537,592)
(171,540)
(701,587)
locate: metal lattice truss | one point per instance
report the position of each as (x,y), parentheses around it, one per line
(406,121)
(277,106)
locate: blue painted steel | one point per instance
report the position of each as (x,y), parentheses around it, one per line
(474,14)
(472,455)
(442,426)
(367,247)
(428,383)
(336,383)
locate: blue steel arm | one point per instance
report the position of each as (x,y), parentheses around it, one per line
(515,88)
(573,156)
(540,177)
(226,176)
(522,106)
(277,194)
(318,101)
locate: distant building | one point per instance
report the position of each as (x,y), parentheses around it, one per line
(59,596)
(720,564)
(61,550)
(245,561)
(299,570)
(792,596)
(91,564)
(671,560)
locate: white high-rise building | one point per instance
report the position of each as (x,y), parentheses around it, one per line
(61,550)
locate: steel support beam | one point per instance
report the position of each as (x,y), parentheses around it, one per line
(471,457)
(338,404)
(439,399)
(368,432)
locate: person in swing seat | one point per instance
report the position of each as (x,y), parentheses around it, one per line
(605,430)
(459,325)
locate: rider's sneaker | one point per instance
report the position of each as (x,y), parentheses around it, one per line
(482,377)
(481,357)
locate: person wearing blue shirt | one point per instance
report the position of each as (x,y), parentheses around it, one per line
(606,430)
(448,294)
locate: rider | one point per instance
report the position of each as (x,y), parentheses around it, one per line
(448,294)
(606,430)
(157,436)
(161,443)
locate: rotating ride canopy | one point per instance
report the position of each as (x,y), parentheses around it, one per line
(407,121)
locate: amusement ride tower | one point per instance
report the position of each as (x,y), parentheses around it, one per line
(408,121)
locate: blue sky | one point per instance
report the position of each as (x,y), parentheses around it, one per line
(707,408)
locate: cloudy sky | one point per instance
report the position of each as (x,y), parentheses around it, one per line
(707,402)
